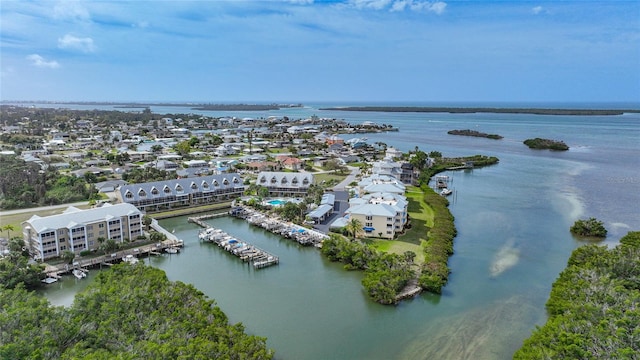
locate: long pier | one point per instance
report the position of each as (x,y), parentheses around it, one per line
(242,249)
(169,246)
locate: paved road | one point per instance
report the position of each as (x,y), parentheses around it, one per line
(350,178)
(42,208)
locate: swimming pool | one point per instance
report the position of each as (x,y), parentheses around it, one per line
(276,202)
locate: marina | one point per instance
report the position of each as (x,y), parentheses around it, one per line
(299,234)
(247,252)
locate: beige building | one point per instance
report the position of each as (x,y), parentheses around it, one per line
(78,230)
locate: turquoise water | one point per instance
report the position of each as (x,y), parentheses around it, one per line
(276,202)
(513,239)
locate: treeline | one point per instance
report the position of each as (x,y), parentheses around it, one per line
(25,185)
(386,274)
(443,163)
(434,273)
(594,306)
(127,312)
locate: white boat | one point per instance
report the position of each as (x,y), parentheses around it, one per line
(130,259)
(446,192)
(171,250)
(49,280)
(79,274)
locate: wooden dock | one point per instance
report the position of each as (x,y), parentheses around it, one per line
(245,251)
(55,271)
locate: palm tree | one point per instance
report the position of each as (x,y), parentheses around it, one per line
(8,228)
(354,226)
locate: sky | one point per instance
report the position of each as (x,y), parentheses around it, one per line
(306,50)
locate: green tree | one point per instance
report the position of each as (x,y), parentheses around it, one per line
(183,147)
(354,227)
(68,256)
(8,228)
(590,227)
(127,312)
(147,220)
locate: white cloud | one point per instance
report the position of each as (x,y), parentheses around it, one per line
(370,4)
(39,61)
(437,7)
(71,10)
(76,43)
(537,10)
(400,5)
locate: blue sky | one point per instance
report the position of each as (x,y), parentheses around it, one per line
(352,50)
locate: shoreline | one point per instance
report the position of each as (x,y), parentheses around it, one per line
(473,110)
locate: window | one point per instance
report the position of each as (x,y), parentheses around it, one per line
(284,181)
(294,180)
(215,183)
(273,180)
(101,225)
(194,186)
(369,217)
(205,185)
(225,182)
(166,189)
(142,193)
(128,195)
(389,219)
(235,180)
(368,224)
(179,188)
(305,181)
(154,191)
(263,179)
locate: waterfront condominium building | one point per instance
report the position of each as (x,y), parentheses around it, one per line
(78,230)
(168,194)
(289,184)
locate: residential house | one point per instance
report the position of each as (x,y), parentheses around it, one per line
(79,230)
(285,183)
(167,194)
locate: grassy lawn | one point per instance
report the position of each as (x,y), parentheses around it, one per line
(328,177)
(17,219)
(421,217)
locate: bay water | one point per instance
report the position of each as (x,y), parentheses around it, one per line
(513,239)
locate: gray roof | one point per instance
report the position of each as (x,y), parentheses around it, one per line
(320,211)
(293,180)
(373,210)
(73,217)
(189,185)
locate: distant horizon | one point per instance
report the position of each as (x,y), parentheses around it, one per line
(614,105)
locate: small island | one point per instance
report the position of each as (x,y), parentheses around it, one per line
(539,143)
(474,133)
(592,228)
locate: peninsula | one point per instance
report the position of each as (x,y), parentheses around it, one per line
(471,110)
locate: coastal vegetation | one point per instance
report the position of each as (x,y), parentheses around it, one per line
(434,272)
(591,227)
(16,270)
(474,133)
(127,312)
(539,143)
(24,185)
(469,110)
(386,274)
(594,306)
